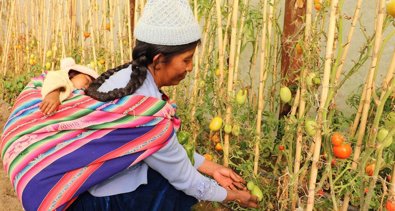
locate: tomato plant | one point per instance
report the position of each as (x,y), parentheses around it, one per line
(343,151)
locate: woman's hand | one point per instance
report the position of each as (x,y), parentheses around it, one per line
(242,197)
(50,102)
(228,179)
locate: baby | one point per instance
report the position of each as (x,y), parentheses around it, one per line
(58,85)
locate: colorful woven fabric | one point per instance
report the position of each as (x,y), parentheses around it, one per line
(52,159)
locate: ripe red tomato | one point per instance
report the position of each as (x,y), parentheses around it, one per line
(390,205)
(369,169)
(281,147)
(343,151)
(337,139)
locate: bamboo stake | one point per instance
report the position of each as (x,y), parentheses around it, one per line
(2,6)
(392,185)
(46,18)
(130,33)
(112,34)
(240,38)
(262,73)
(205,37)
(82,33)
(92,36)
(29,21)
(358,114)
(195,84)
(73,28)
(302,106)
(8,38)
(273,52)
(105,33)
(120,32)
(252,68)
(322,109)
(220,43)
(232,59)
(349,39)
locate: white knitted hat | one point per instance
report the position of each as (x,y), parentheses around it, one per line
(167,22)
(68,63)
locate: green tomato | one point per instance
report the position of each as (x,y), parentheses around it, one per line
(236,130)
(317,81)
(310,127)
(228,128)
(257,192)
(390,120)
(382,137)
(241,96)
(250,185)
(285,94)
(309,79)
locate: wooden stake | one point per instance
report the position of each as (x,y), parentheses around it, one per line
(262,73)
(322,109)
(229,95)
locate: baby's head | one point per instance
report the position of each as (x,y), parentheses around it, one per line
(80,80)
(81,76)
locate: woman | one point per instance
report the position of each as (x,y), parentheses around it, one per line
(167,35)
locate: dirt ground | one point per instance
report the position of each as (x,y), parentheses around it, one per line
(8,198)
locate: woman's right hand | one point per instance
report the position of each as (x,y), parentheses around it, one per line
(242,197)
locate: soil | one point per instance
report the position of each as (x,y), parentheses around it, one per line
(8,199)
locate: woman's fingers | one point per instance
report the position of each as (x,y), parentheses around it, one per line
(236,177)
(239,185)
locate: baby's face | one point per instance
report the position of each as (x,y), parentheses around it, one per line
(81,81)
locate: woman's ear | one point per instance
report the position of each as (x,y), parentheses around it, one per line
(156,61)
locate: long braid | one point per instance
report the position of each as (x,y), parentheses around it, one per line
(137,77)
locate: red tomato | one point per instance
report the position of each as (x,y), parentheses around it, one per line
(281,147)
(390,205)
(337,139)
(343,151)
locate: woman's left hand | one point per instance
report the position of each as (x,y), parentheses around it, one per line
(228,179)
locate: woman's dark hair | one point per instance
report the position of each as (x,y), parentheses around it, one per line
(143,54)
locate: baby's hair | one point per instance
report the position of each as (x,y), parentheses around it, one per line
(73,73)
(143,54)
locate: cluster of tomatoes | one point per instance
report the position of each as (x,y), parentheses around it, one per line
(340,149)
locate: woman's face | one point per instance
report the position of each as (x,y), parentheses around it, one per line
(172,72)
(81,81)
